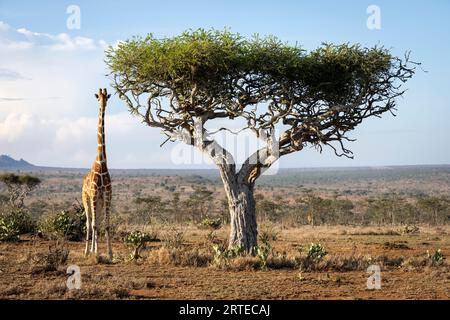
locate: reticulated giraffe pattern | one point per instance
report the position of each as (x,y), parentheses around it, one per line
(97,191)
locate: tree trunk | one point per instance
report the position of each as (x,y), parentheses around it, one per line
(241,203)
(243,231)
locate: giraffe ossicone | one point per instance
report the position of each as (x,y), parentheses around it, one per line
(97,191)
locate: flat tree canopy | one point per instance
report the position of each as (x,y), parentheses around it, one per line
(177,84)
(19,186)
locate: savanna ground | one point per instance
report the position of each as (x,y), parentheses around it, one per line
(362,217)
(189,273)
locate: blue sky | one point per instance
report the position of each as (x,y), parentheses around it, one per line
(48,75)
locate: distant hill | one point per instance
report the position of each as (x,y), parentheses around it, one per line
(6,162)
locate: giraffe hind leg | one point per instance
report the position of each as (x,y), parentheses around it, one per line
(107,208)
(97,210)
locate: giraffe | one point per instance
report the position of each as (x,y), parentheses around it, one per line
(97,190)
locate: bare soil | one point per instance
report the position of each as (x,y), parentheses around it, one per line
(124,279)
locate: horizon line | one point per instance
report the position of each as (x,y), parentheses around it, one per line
(212,168)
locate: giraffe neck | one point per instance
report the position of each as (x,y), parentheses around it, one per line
(101,148)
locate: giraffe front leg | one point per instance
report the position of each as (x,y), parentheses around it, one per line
(94,245)
(88,212)
(93,225)
(88,231)
(93,238)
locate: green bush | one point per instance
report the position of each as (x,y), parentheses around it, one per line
(263,251)
(137,240)
(15,223)
(70,225)
(8,230)
(222,255)
(437,258)
(316,251)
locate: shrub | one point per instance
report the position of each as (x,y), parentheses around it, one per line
(281,261)
(437,258)
(137,240)
(173,237)
(15,223)
(245,263)
(56,256)
(19,187)
(211,223)
(410,229)
(343,263)
(180,257)
(212,237)
(263,252)
(70,225)
(316,251)
(429,260)
(264,249)
(268,233)
(222,255)
(8,230)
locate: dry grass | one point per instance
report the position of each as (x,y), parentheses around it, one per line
(187,271)
(51,260)
(179,257)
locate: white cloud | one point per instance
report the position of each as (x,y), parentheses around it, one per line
(24,39)
(61,41)
(7,74)
(15,124)
(4,26)
(10,45)
(71,142)
(11,40)
(30,35)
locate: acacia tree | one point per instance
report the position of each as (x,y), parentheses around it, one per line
(315,98)
(436,207)
(19,187)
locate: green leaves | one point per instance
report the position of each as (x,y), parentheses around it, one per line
(319,95)
(316,251)
(200,56)
(136,241)
(137,238)
(209,58)
(13,179)
(15,223)
(70,225)
(437,258)
(9,230)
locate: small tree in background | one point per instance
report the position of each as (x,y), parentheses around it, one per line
(19,187)
(199,203)
(148,208)
(316,98)
(316,207)
(437,208)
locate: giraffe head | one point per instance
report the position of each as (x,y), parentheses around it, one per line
(102,97)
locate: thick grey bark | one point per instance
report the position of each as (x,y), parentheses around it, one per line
(239,186)
(241,204)
(243,231)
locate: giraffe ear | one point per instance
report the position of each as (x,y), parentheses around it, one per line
(109,96)
(96,95)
